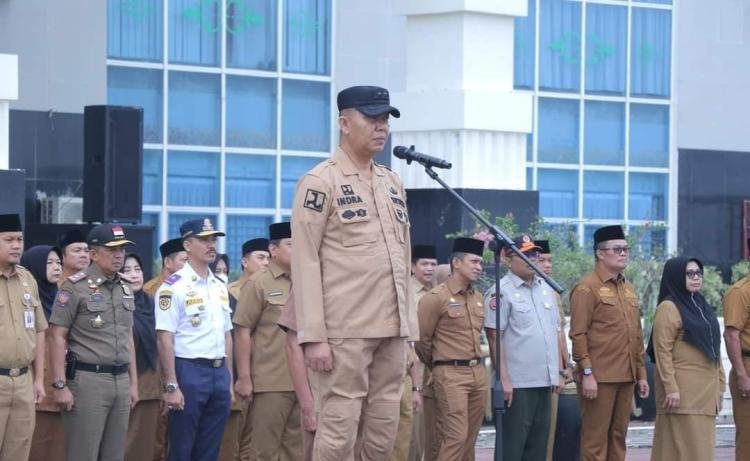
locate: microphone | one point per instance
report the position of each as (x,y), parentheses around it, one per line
(427,161)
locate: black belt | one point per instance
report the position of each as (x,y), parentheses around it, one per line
(746,353)
(14,372)
(213,363)
(457,363)
(110,369)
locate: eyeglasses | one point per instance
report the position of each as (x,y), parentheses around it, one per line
(694,274)
(617,250)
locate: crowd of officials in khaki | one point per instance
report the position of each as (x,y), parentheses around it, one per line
(369,354)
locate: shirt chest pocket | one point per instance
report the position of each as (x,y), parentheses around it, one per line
(609,310)
(275,303)
(456,313)
(196,314)
(400,217)
(355,226)
(521,313)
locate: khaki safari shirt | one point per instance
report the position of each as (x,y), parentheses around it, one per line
(451,318)
(152,286)
(21,318)
(605,327)
(259,308)
(98,311)
(737,310)
(352,254)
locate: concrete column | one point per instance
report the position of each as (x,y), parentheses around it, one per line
(8,92)
(459,103)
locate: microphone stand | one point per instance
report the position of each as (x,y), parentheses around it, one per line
(498,399)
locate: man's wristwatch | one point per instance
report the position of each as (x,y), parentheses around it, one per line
(416,388)
(588,372)
(171,387)
(58,384)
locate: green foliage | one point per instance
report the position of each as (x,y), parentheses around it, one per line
(740,270)
(714,288)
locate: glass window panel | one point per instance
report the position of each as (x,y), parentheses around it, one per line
(649,193)
(250,181)
(251,34)
(558,130)
(307,36)
(152,219)
(651,52)
(134,29)
(194,108)
(176,220)
(662,2)
(560,45)
(241,228)
(588,237)
(604,133)
(306,115)
(606,48)
(529,147)
(558,193)
(649,135)
(603,195)
(193,178)
(650,240)
(139,88)
(194,31)
(529,178)
(566,233)
(292,168)
(523,68)
(251,112)
(152,177)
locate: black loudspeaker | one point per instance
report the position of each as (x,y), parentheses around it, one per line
(113,156)
(14,192)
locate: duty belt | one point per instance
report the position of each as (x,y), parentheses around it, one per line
(457,363)
(13,372)
(109,369)
(746,353)
(213,363)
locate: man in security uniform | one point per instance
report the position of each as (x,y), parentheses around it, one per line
(263,371)
(173,258)
(737,339)
(96,384)
(75,253)
(351,240)
(605,328)
(22,326)
(193,324)
(451,317)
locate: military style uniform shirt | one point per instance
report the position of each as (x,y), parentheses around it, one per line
(352,254)
(605,328)
(98,311)
(261,301)
(197,311)
(21,318)
(737,310)
(530,321)
(451,317)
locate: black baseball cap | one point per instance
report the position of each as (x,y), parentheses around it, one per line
(199,228)
(372,101)
(108,235)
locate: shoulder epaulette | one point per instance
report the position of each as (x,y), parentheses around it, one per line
(172,279)
(75,278)
(383,166)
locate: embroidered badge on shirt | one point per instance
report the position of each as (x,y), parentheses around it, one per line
(398,201)
(314,200)
(493,302)
(172,279)
(62,299)
(165,300)
(347,189)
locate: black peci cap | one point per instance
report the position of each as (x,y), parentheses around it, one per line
(72,236)
(607,233)
(108,235)
(10,223)
(171,247)
(468,245)
(280,230)
(372,101)
(424,252)
(543,246)
(254,245)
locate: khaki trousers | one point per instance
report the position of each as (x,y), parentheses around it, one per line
(461,397)
(365,383)
(161,446)
(17,416)
(405,421)
(97,425)
(48,443)
(140,444)
(741,412)
(230,442)
(245,435)
(276,427)
(604,422)
(553,404)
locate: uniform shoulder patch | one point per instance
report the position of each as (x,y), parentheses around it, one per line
(62,299)
(172,279)
(165,299)
(75,278)
(314,200)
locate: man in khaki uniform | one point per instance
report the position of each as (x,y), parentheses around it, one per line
(255,256)
(737,339)
(22,326)
(605,327)
(351,240)
(96,388)
(451,318)
(75,253)
(263,375)
(173,258)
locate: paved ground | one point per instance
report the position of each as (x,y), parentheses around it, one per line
(640,437)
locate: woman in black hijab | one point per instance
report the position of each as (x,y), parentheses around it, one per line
(142,429)
(45,264)
(220,267)
(685,345)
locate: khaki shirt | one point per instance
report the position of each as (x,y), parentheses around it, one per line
(259,309)
(236,287)
(605,328)
(21,318)
(98,312)
(451,318)
(288,319)
(737,310)
(683,367)
(352,254)
(152,286)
